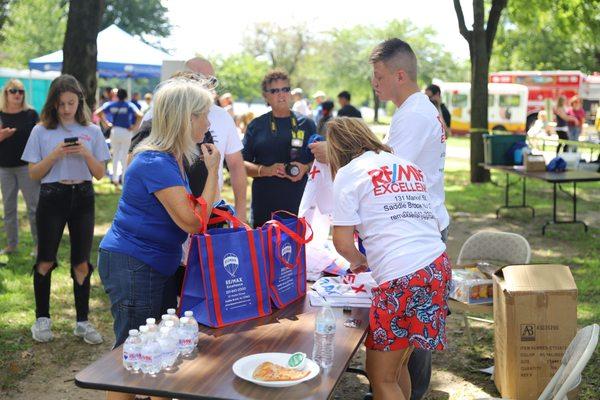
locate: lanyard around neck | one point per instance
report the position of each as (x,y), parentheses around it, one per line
(293,121)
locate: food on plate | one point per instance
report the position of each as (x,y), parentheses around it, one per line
(267,371)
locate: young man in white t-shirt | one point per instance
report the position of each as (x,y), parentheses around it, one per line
(416,134)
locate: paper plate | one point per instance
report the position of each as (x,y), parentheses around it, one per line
(244,368)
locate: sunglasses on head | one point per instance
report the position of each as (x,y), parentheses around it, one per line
(277,90)
(15,91)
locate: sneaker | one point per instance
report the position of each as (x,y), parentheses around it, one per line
(89,334)
(40,331)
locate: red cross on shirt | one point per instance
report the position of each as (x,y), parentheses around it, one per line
(314,172)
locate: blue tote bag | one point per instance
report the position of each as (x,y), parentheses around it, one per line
(286,240)
(226,278)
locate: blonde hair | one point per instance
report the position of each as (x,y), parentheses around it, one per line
(174,104)
(13,83)
(348,138)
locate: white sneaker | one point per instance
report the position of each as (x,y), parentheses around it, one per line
(89,334)
(40,331)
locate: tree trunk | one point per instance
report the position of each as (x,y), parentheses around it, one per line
(376,104)
(79,49)
(479,92)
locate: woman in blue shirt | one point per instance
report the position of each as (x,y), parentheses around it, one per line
(142,249)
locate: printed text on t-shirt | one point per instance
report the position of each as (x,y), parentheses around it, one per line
(397,178)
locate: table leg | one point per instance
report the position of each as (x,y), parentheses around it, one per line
(554,200)
(507,197)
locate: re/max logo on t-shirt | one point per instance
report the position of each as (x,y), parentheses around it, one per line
(397,178)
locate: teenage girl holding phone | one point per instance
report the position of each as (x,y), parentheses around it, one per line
(64,152)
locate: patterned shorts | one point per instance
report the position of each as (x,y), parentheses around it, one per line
(411,310)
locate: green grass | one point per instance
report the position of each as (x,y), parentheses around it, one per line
(472,207)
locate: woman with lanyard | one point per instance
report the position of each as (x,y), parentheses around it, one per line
(276,153)
(65,151)
(17,121)
(141,251)
(384,199)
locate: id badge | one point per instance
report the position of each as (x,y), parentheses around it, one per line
(297,142)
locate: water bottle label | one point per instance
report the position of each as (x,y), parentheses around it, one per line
(186,342)
(325,328)
(145,358)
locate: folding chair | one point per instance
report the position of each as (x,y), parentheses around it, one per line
(502,248)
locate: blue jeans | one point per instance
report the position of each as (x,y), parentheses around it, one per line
(136,291)
(574,132)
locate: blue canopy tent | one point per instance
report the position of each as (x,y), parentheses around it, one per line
(120,55)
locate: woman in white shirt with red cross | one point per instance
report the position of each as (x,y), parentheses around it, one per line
(384,199)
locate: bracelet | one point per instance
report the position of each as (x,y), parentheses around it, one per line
(259,168)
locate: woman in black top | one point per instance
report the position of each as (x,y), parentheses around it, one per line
(17,121)
(562,118)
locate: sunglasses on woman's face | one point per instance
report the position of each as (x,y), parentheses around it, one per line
(277,90)
(15,91)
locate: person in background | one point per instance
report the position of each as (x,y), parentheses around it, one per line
(418,135)
(64,152)
(300,104)
(276,153)
(242,122)
(146,103)
(226,101)
(347,110)
(562,121)
(135,100)
(124,119)
(106,95)
(540,127)
(404,251)
(17,119)
(435,95)
(576,124)
(318,97)
(327,110)
(226,139)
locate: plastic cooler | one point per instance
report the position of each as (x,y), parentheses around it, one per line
(496,147)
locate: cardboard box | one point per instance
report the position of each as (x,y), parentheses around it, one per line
(535,319)
(534,163)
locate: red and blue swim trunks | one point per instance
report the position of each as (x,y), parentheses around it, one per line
(411,310)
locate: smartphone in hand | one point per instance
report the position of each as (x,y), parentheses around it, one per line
(71,141)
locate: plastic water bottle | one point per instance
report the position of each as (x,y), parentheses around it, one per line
(164,318)
(173,316)
(131,351)
(168,347)
(174,334)
(186,337)
(324,337)
(151,353)
(192,322)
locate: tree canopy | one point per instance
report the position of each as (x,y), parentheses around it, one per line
(549,35)
(33,28)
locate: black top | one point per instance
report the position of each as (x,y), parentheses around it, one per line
(349,111)
(11,148)
(196,173)
(446,114)
(321,125)
(263,147)
(560,123)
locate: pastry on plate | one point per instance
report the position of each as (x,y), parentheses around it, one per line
(270,372)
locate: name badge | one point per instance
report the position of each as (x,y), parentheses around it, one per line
(297,142)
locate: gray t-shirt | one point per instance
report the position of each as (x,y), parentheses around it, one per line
(72,166)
